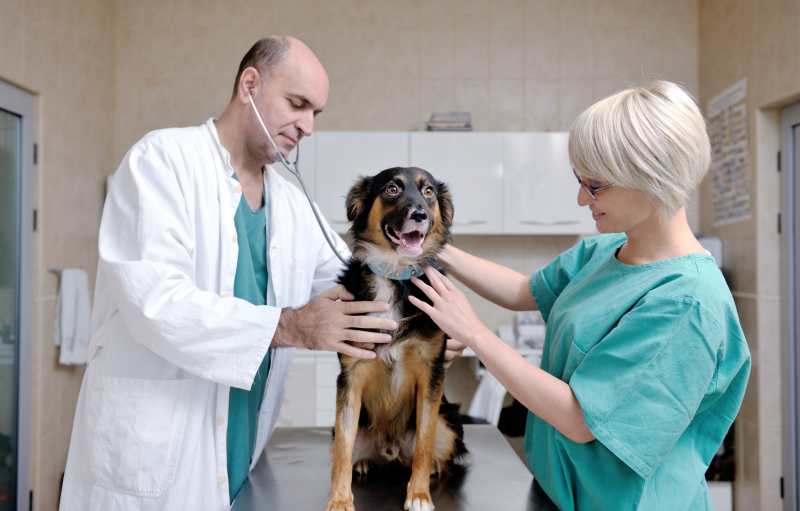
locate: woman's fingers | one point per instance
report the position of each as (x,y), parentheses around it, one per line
(435,279)
(425,288)
(447,282)
(424,307)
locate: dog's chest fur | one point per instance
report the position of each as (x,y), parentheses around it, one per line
(359,280)
(386,291)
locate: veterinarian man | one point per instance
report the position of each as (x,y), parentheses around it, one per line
(208,259)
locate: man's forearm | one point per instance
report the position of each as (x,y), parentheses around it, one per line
(287,333)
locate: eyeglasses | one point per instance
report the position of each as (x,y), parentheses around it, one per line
(591,187)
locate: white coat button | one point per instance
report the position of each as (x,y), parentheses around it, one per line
(225,294)
(220,420)
(234,238)
(221,478)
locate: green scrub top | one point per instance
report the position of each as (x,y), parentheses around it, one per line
(657,359)
(250,283)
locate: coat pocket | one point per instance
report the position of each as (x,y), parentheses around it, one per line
(135,427)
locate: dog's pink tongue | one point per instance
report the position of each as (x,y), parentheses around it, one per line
(411,243)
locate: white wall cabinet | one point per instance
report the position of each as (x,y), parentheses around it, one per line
(540,191)
(472,166)
(502,183)
(298,408)
(343,156)
(309,398)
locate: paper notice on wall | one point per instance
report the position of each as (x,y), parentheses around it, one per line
(730,177)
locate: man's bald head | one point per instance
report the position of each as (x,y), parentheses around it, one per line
(268,53)
(284,81)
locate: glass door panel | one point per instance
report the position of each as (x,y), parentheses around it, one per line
(10,174)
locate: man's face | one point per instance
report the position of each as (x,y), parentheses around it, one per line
(289,98)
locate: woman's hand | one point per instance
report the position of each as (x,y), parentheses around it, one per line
(453,349)
(450,310)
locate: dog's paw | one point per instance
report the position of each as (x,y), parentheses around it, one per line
(341,504)
(418,502)
(361,468)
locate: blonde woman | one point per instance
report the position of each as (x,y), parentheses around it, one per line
(645,364)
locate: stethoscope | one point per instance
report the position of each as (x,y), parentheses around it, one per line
(292,168)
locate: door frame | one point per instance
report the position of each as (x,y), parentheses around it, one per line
(790,292)
(24,104)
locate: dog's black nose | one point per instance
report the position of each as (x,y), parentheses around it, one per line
(418,215)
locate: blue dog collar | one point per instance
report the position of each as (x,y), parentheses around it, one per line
(388,271)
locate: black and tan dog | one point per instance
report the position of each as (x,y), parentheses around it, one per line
(390,409)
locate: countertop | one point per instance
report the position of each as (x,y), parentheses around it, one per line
(294,474)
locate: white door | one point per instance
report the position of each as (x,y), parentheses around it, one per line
(540,189)
(790,218)
(18,185)
(343,156)
(472,166)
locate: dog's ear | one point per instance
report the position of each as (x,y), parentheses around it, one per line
(445,204)
(357,197)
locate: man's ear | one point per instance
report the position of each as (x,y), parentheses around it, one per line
(357,197)
(445,204)
(249,81)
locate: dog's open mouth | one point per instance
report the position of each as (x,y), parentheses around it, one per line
(409,241)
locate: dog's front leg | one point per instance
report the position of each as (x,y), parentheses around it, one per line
(348,407)
(429,396)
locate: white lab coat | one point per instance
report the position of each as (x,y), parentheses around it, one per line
(168,339)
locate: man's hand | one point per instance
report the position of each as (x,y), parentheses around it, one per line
(331,321)
(453,350)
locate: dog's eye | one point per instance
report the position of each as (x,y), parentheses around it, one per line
(428,192)
(392,190)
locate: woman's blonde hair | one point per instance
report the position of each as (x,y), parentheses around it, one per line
(649,138)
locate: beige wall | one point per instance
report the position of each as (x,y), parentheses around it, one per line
(107,72)
(63,53)
(759,41)
(515,64)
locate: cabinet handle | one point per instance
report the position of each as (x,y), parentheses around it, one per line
(470,222)
(555,222)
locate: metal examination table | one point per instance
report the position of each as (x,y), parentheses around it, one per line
(294,475)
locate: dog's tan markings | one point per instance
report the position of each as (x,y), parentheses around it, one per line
(348,408)
(374,230)
(418,494)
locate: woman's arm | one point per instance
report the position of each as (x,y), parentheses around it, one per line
(498,284)
(549,398)
(543,394)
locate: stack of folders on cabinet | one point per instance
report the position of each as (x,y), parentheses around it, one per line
(449,121)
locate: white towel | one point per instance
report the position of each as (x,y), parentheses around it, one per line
(73,317)
(488,399)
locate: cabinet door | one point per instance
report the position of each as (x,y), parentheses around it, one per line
(327,374)
(541,193)
(472,166)
(306,164)
(343,156)
(298,408)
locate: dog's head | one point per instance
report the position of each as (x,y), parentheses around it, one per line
(402,210)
